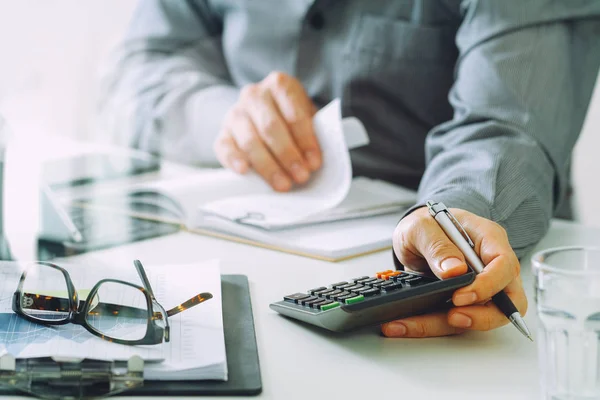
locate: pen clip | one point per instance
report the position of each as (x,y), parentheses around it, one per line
(435,208)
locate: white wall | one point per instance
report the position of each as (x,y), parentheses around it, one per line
(50,51)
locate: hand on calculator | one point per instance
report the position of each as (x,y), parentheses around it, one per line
(420,244)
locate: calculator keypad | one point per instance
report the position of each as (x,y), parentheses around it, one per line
(356,290)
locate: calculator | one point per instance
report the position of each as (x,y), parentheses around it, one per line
(371,300)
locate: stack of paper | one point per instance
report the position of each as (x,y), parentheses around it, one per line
(196,350)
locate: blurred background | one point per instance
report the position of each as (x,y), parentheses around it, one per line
(52,52)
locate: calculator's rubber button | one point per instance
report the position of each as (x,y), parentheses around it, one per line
(316,304)
(400,276)
(342,294)
(333,294)
(346,297)
(336,285)
(379,283)
(309,299)
(354,288)
(325,293)
(295,298)
(369,281)
(370,292)
(382,273)
(315,290)
(387,277)
(356,299)
(329,306)
(393,286)
(360,279)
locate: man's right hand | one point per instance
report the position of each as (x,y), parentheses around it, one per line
(270,130)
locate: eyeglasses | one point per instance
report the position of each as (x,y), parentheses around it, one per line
(114,310)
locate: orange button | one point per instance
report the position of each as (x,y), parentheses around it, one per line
(380,275)
(388,276)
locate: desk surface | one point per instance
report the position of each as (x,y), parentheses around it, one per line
(299,362)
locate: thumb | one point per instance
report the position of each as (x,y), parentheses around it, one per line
(429,240)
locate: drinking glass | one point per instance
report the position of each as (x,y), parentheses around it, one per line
(567,294)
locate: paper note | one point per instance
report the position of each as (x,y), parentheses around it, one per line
(327,187)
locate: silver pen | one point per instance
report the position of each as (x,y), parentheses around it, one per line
(457,234)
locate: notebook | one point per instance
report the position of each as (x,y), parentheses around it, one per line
(334,216)
(196,350)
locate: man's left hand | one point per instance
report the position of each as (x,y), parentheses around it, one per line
(421,245)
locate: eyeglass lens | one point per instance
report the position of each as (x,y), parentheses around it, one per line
(118,311)
(45,294)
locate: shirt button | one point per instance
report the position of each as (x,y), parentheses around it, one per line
(317,21)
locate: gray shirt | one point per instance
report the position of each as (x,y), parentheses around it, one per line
(476,103)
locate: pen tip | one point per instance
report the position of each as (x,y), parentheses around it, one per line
(529,337)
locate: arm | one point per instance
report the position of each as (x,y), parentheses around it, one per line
(168,88)
(524,79)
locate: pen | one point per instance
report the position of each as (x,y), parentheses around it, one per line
(457,234)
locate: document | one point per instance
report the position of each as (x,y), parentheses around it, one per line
(315,219)
(196,349)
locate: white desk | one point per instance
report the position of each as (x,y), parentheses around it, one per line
(299,362)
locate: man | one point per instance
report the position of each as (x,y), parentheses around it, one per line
(476,103)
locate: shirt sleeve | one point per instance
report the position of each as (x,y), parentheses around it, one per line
(167,87)
(524,78)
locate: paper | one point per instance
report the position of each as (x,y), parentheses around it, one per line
(327,187)
(197,346)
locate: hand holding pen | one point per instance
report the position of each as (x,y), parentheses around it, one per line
(421,244)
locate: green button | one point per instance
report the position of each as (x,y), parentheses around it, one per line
(330,306)
(355,299)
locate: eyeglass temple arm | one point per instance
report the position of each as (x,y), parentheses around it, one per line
(142,273)
(194,301)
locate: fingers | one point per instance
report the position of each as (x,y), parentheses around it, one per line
(298,111)
(420,242)
(277,138)
(248,141)
(502,267)
(430,325)
(270,129)
(481,317)
(229,154)
(484,317)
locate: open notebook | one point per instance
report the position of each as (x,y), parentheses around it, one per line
(334,216)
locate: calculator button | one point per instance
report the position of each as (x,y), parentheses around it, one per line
(383,273)
(337,285)
(346,297)
(309,303)
(369,281)
(393,286)
(325,307)
(295,298)
(316,290)
(369,292)
(355,299)
(386,284)
(316,304)
(342,294)
(333,294)
(359,280)
(379,283)
(307,300)
(325,293)
(399,277)
(354,288)
(390,276)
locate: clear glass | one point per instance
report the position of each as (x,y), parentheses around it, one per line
(45,294)
(567,294)
(119,311)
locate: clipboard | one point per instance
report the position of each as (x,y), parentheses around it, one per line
(244,377)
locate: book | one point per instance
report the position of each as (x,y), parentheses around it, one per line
(332,217)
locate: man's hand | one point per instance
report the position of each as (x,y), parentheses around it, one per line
(420,244)
(270,130)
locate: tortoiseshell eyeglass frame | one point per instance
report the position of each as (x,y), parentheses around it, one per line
(78,309)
